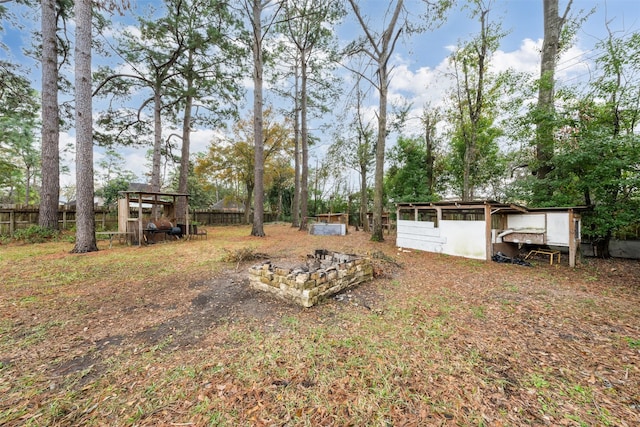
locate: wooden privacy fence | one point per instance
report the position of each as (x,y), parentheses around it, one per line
(210,217)
(21,217)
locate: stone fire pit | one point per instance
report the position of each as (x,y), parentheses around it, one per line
(326,273)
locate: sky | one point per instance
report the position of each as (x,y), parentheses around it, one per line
(422,61)
(419,64)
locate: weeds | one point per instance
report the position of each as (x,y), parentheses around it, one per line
(241,255)
(479,311)
(36,234)
(633,343)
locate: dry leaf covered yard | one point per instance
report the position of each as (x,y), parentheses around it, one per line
(171,334)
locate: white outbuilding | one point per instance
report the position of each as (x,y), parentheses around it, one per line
(480,229)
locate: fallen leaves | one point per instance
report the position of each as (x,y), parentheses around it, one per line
(434,340)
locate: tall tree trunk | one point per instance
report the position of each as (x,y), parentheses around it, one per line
(183,180)
(156,158)
(50,193)
(467,187)
(475,108)
(363,162)
(85,213)
(157,139)
(383,49)
(258,132)
(364,200)
(295,210)
(378,191)
(429,132)
(304,142)
(545,126)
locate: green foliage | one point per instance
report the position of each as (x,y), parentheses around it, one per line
(36,234)
(111,167)
(307,31)
(111,189)
(231,162)
(188,49)
(488,170)
(592,167)
(201,193)
(633,343)
(406,179)
(597,149)
(476,164)
(19,156)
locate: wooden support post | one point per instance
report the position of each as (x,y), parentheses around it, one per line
(573,238)
(140,231)
(487,236)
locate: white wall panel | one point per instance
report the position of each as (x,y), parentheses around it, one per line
(558,228)
(526,221)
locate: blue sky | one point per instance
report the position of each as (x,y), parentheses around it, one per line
(420,62)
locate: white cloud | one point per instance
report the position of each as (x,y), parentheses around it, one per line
(427,86)
(526,59)
(67,148)
(201,139)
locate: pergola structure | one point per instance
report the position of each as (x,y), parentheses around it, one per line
(161,204)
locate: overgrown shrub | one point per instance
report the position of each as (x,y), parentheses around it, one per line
(242,254)
(35,234)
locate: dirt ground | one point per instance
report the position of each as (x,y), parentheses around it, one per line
(539,337)
(187,316)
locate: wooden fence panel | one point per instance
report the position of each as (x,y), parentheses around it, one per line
(21,217)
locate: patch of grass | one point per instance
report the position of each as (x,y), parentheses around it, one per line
(633,343)
(419,361)
(479,311)
(508,305)
(588,302)
(473,263)
(37,334)
(580,394)
(291,321)
(30,299)
(6,329)
(538,381)
(511,287)
(162,345)
(13,253)
(576,419)
(548,406)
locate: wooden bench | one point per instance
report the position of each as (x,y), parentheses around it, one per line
(552,254)
(111,234)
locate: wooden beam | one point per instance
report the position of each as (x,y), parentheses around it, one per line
(573,239)
(487,237)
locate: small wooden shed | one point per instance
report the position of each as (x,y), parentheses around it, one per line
(131,208)
(479,229)
(331,224)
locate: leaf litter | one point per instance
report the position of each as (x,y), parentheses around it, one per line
(433,340)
